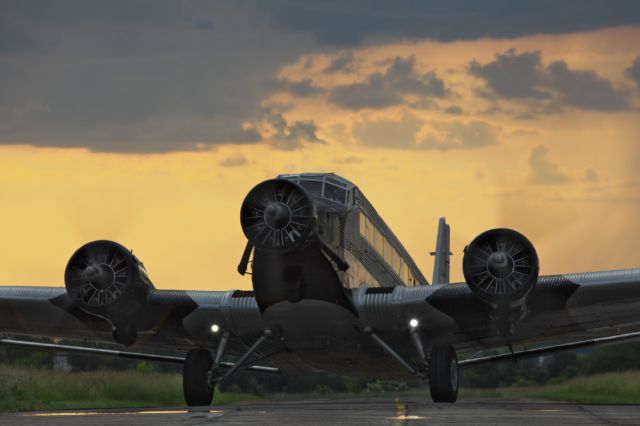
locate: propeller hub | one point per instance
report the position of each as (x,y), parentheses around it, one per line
(102,276)
(277,215)
(500,264)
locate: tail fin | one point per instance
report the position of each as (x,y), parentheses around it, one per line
(442,254)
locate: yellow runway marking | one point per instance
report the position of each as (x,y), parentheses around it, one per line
(402,413)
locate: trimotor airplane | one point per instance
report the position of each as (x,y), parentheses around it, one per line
(334,291)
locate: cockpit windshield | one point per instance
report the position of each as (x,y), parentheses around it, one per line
(323,186)
(335,193)
(313,187)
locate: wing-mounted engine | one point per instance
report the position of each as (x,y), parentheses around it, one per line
(501,268)
(105,279)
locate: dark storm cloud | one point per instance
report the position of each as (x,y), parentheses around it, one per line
(337,22)
(633,72)
(203,25)
(14,38)
(290,136)
(523,76)
(513,75)
(302,88)
(343,63)
(137,76)
(381,90)
(372,94)
(157,76)
(585,89)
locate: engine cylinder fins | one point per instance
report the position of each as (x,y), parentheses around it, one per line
(105,278)
(277,215)
(501,267)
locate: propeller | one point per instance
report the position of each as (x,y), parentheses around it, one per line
(277,215)
(103,276)
(501,267)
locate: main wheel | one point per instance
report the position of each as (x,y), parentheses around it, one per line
(195,378)
(443,374)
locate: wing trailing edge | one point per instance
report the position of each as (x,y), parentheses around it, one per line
(600,341)
(52,347)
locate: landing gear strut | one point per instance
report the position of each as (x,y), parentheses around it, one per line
(201,373)
(443,374)
(441,368)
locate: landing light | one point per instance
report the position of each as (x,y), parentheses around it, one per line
(215,328)
(413,323)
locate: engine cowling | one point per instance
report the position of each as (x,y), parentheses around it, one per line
(277,215)
(501,267)
(104,278)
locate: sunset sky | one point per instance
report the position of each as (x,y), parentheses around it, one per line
(147,123)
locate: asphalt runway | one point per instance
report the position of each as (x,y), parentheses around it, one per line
(347,412)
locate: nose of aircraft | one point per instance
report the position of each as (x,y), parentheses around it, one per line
(277,215)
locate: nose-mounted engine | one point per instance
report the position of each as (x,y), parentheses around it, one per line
(277,215)
(290,261)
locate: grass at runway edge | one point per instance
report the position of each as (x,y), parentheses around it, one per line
(23,388)
(608,388)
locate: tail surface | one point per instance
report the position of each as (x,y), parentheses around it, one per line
(442,254)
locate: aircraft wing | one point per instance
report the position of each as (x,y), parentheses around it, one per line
(171,322)
(560,309)
(561,312)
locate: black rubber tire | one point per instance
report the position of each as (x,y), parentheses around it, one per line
(195,386)
(443,374)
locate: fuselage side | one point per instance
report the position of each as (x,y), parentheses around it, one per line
(305,295)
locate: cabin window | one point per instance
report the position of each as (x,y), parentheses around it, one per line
(369,233)
(396,263)
(404,272)
(379,241)
(388,252)
(385,249)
